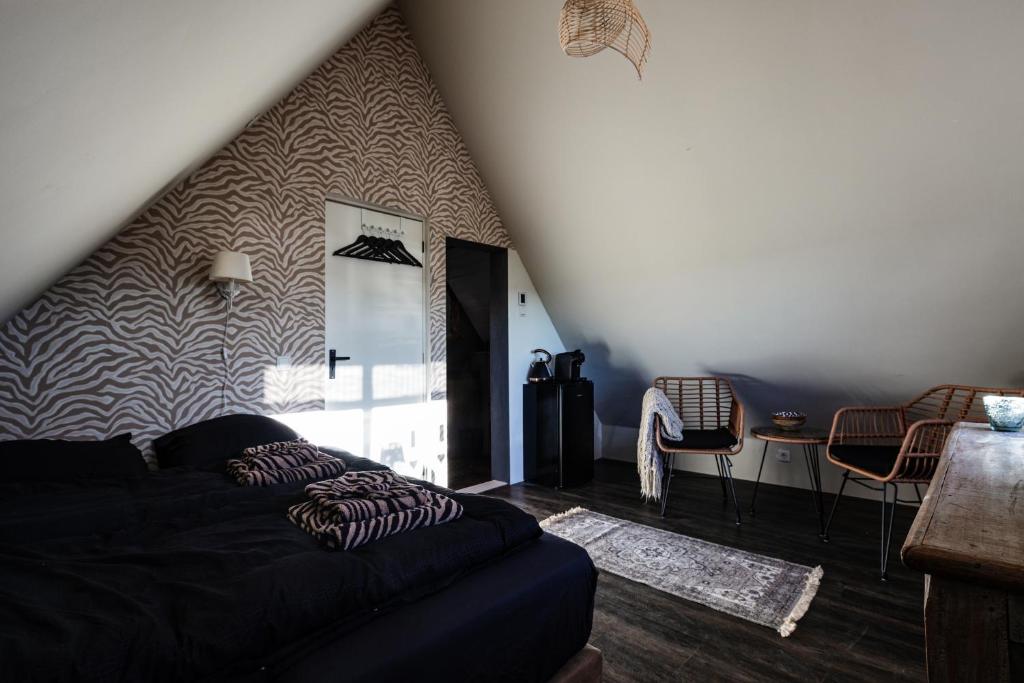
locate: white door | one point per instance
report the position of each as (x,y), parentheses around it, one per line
(376,401)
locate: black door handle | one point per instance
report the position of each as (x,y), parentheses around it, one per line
(334,358)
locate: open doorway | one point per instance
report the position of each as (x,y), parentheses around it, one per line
(477,365)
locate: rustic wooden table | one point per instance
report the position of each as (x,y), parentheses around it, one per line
(968,538)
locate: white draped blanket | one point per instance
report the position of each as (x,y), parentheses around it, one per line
(648,460)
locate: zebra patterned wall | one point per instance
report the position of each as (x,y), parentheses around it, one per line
(130,339)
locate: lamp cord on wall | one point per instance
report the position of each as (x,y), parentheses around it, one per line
(224,358)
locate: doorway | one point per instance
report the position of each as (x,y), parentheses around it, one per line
(375,339)
(477,363)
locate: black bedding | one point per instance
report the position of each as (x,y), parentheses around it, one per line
(514,621)
(184,575)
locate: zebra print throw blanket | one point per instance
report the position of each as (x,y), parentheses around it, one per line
(283,461)
(360,497)
(360,507)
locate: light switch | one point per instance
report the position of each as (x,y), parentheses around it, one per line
(284,362)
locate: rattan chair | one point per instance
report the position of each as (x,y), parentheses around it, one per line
(712,425)
(894,445)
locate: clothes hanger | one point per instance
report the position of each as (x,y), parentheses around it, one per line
(406,255)
(381,249)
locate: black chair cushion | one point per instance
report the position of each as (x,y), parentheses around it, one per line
(702,439)
(877,459)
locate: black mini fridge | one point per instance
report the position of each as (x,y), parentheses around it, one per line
(558,433)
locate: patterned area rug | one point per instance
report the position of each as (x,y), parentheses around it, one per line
(760,589)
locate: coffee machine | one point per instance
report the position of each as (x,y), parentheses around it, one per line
(567,366)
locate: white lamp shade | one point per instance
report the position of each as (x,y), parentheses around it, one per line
(231,266)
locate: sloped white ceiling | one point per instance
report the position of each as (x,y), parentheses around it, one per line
(103,103)
(824,200)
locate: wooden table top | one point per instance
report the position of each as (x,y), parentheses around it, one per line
(807,435)
(971,523)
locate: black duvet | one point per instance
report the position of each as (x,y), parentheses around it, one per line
(186,575)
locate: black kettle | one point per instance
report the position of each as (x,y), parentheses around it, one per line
(539,370)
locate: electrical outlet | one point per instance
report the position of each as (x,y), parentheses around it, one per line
(782,455)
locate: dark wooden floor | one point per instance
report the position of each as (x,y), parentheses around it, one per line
(858,628)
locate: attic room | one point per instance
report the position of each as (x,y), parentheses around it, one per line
(554,341)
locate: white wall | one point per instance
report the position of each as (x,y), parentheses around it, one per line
(820,200)
(529,327)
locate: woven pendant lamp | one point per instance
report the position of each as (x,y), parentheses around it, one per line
(588,26)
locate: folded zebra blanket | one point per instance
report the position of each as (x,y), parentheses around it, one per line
(280,455)
(326,528)
(337,499)
(367,484)
(285,461)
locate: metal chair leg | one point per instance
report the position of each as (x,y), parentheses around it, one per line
(757,482)
(726,466)
(887,526)
(666,481)
(835,506)
(721,480)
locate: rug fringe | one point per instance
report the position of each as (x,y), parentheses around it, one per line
(803,603)
(561,515)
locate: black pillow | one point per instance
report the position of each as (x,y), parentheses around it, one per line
(208,444)
(59,460)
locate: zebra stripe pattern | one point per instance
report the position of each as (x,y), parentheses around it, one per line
(338,499)
(359,509)
(356,484)
(323,466)
(130,339)
(346,536)
(280,455)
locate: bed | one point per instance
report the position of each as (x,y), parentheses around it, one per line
(181,574)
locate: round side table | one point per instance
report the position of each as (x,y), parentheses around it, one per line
(809,439)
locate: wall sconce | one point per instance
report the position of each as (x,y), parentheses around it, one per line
(229,269)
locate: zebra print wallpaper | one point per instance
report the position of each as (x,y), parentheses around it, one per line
(130,339)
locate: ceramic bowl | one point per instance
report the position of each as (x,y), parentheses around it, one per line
(1005,413)
(790,420)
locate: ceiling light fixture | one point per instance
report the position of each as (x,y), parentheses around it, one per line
(588,26)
